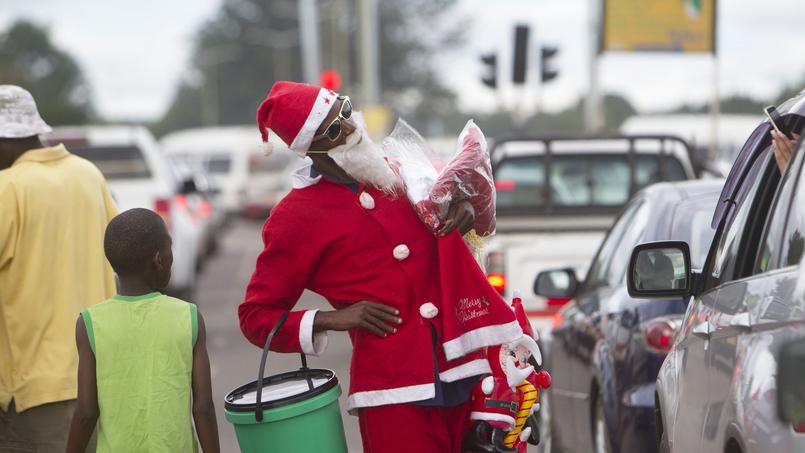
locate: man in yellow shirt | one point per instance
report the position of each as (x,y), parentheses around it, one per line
(54,208)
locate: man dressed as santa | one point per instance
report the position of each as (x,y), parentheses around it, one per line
(418,309)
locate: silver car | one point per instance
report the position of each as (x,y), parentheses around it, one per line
(717,390)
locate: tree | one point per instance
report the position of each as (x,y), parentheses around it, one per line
(29,59)
(250,44)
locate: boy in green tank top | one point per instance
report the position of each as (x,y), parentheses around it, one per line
(143,366)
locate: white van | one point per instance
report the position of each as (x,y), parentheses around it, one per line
(233,158)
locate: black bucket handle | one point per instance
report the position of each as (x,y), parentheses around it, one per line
(258,409)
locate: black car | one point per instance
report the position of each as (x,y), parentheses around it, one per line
(605,348)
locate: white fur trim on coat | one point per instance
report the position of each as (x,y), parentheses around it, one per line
(493,417)
(397,395)
(480,338)
(312,344)
(474,368)
(300,177)
(324,102)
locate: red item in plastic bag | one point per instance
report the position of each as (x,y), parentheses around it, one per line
(468,176)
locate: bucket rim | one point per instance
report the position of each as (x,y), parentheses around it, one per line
(304,373)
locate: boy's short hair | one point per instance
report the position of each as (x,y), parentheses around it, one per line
(133,238)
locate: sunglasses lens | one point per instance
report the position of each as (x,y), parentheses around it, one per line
(346,109)
(334,130)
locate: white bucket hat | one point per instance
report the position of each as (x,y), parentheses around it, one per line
(19,117)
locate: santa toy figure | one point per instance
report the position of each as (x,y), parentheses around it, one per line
(504,404)
(418,309)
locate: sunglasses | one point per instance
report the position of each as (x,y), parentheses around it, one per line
(333,131)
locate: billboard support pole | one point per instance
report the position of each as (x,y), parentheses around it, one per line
(592,105)
(715,111)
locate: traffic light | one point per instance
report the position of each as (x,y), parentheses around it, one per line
(547,53)
(520,54)
(490,62)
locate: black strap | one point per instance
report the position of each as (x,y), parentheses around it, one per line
(258,410)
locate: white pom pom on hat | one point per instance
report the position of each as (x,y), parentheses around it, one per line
(267,147)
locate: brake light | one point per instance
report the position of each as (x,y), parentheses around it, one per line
(558,320)
(181,202)
(659,335)
(205,209)
(800,427)
(162,206)
(498,281)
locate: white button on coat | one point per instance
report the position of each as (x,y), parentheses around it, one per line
(367,201)
(428,310)
(401,252)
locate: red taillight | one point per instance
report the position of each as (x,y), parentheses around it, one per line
(181,202)
(558,320)
(162,206)
(660,335)
(498,281)
(800,427)
(205,209)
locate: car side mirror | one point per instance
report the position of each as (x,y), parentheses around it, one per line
(790,385)
(188,187)
(659,270)
(556,284)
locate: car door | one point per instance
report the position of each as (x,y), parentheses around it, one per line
(742,287)
(761,301)
(693,345)
(571,349)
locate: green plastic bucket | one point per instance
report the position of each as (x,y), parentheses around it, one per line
(293,412)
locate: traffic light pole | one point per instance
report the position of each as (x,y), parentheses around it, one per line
(593,120)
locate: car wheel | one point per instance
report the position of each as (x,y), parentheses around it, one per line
(665,447)
(600,433)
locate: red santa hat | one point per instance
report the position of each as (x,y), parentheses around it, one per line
(522,318)
(294,111)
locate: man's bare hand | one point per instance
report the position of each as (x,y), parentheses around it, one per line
(783,149)
(371,316)
(461,215)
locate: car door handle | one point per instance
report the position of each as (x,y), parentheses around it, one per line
(703,329)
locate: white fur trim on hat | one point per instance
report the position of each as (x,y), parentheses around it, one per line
(324,102)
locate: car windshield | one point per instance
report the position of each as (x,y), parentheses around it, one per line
(578,180)
(115,162)
(218,164)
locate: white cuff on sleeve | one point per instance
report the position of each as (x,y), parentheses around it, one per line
(311,344)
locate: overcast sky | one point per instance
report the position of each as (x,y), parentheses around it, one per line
(134,52)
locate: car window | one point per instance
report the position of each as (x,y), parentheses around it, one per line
(597,275)
(218,164)
(692,225)
(115,162)
(772,246)
(793,238)
(520,183)
(633,235)
(723,268)
(578,180)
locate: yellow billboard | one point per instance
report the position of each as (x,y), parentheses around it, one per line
(659,25)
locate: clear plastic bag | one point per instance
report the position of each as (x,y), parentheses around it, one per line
(467,176)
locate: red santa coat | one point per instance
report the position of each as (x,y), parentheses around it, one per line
(352,247)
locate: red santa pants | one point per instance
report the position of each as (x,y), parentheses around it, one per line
(407,428)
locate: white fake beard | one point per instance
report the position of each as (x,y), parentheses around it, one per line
(364,161)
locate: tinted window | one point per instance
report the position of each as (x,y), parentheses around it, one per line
(771,247)
(219,165)
(632,237)
(115,162)
(793,240)
(599,269)
(731,241)
(579,180)
(692,225)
